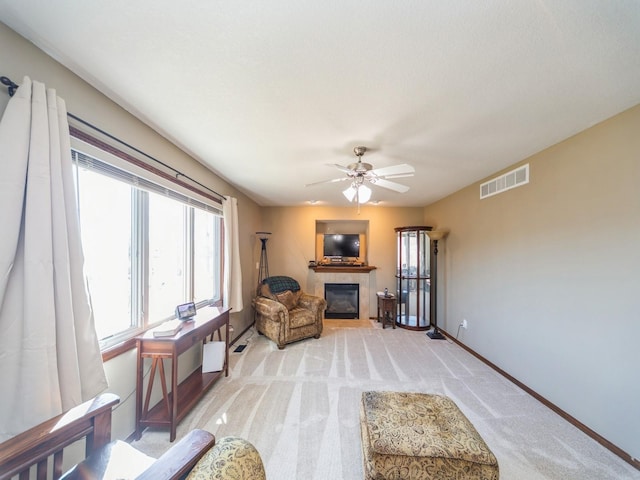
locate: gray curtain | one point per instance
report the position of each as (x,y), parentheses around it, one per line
(50,359)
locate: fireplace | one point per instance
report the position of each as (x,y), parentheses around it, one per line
(343,300)
(342,274)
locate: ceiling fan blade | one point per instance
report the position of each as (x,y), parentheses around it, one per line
(341,168)
(333,180)
(403,175)
(401,169)
(381,182)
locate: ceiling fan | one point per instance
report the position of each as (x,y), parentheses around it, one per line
(359,173)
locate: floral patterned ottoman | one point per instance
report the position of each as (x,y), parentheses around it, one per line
(420,436)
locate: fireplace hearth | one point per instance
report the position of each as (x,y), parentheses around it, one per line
(343,300)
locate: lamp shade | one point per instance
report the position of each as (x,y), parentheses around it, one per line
(364,194)
(359,193)
(437,234)
(350,193)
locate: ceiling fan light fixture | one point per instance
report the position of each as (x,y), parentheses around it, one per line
(357,193)
(350,193)
(364,194)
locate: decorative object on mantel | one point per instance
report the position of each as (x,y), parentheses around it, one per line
(413,277)
(435,236)
(359,173)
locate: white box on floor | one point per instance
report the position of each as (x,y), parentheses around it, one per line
(213,356)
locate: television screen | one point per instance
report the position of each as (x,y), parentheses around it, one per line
(341,245)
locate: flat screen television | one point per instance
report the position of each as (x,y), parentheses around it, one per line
(341,245)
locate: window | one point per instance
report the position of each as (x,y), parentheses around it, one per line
(106,235)
(147,249)
(168,270)
(207,254)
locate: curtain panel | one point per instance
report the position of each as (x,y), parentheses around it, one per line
(232,295)
(50,359)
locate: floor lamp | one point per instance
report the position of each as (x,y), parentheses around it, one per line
(263,270)
(435,235)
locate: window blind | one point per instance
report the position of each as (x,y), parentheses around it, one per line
(84,160)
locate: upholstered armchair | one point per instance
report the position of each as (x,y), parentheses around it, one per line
(286,314)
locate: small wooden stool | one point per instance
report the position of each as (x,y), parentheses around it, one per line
(387,306)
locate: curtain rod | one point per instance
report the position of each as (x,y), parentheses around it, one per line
(12,87)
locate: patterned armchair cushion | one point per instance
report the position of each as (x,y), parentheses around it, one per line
(289,299)
(301,317)
(232,458)
(311,302)
(282,289)
(265,291)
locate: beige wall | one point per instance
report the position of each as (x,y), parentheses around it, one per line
(293,241)
(547,276)
(19,58)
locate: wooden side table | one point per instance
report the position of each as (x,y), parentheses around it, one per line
(387,306)
(177,402)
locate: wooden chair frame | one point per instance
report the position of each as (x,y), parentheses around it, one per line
(32,450)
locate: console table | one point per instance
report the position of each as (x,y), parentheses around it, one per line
(177,402)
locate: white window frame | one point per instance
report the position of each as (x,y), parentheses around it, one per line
(142,180)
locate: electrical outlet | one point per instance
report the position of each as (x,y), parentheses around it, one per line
(464,323)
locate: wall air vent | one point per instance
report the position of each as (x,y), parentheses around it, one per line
(506,181)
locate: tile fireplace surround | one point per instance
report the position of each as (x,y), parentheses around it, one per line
(319,278)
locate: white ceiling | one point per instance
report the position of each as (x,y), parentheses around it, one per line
(269,94)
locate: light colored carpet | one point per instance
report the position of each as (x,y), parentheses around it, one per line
(299,406)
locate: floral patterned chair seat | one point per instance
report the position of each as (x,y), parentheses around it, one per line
(232,458)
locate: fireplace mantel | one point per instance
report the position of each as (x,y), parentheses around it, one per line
(349,269)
